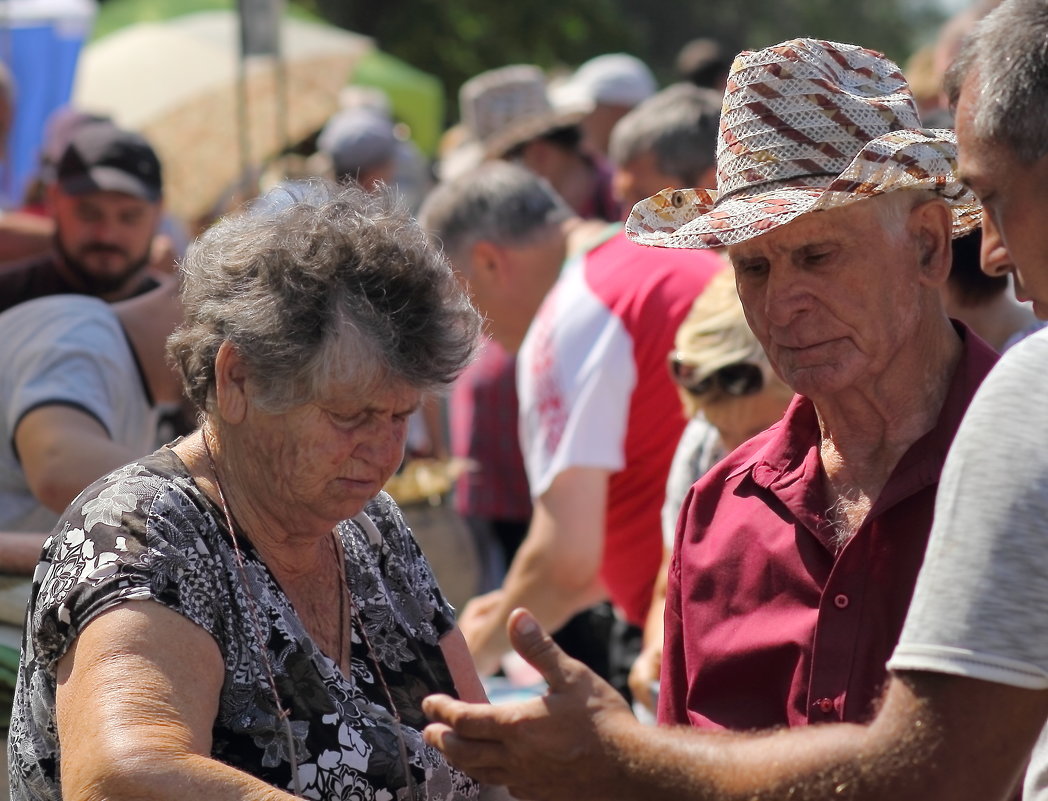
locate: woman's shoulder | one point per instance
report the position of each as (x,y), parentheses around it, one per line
(130,498)
(387,567)
(140,532)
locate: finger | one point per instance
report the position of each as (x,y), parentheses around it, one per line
(472,756)
(439,708)
(468,721)
(533,643)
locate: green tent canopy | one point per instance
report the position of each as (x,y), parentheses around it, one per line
(417,98)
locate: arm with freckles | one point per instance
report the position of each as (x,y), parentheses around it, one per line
(137,696)
(556,571)
(936,738)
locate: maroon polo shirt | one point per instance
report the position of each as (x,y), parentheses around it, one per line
(766,624)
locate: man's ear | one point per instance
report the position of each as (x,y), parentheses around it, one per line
(488,264)
(931,226)
(231,390)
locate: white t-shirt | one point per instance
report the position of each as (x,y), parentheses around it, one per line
(67,350)
(980,608)
(595,392)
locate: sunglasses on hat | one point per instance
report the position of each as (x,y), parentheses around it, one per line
(736,380)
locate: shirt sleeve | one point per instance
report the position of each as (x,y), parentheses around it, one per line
(575,376)
(129,537)
(980,608)
(74,368)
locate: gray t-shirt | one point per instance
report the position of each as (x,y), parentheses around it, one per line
(980,608)
(67,350)
(699,449)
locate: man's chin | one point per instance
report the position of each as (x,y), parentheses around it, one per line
(104,276)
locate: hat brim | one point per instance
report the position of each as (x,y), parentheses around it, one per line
(905,159)
(108,179)
(530,128)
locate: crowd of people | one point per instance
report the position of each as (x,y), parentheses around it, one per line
(737,381)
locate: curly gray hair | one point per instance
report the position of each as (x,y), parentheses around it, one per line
(316,282)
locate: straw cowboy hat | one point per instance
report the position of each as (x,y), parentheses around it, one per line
(506,107)
(807,125)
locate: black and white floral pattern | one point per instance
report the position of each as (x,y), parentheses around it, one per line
(146,531)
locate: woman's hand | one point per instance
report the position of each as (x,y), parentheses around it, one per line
(476,618)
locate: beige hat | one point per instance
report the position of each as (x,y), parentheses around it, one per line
(807,125)
(506,107)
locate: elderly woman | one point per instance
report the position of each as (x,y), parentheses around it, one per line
(728,393)
(244,614)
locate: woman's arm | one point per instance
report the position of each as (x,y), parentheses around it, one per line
(467,683)
(137,696)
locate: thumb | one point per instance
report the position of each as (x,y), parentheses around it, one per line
(532,642)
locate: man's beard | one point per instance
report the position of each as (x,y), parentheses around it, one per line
(106,284)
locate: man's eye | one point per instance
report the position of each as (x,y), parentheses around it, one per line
(751,268)
(345,421)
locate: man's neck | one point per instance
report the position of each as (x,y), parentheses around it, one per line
(866,430)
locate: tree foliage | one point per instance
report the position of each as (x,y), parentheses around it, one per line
(456,39)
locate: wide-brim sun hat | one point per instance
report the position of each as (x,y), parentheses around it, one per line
(506,107)
(807,125)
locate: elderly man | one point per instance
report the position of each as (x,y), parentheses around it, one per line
(796,555)
(106,206)
(968,694)
(599,417)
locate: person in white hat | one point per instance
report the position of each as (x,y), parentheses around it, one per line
(610,86)
(966,698)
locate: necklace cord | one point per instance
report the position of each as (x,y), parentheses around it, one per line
(284,715)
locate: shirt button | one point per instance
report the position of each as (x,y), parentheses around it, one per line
(841,601)
(824,705)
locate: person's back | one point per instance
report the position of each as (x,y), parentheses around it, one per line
(594,390)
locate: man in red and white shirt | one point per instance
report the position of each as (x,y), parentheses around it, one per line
(593,317)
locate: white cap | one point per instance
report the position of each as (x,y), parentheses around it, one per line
(615,79)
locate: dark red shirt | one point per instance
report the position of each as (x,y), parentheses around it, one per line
(484,430)
(766,624)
